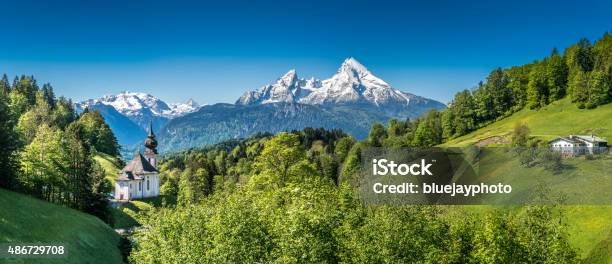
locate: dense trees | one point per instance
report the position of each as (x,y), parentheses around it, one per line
(287,210)
(590,74)
(9,141)
(98,134)
(584,73)
(47,149)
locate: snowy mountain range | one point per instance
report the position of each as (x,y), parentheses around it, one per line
(136,104)
(352,100)
(139,109)
(353,83)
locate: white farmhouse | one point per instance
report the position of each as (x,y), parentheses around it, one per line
(593,144)
(578,145)
(140,177)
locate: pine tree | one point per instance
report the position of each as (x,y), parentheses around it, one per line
(27,86)
(377,135)
(5,87)
(448,126)
(64,113)
(48,95)
(579,87)
(584,55)
(463,113)
(598,89)
(429,132)
(484,103)
(9,143)
(518,79)
(537,88)
(556,76)
(501,96)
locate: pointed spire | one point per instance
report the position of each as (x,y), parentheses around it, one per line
(151,134)
(150,142)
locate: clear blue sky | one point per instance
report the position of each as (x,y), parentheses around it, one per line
(214,52)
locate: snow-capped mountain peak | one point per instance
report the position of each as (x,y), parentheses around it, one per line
(353,83)
(286,89)
(288,79)
(192,103)
(139,104)
(352,66)
(130,103)
(183,108)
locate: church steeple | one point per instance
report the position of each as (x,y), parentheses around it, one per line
(150,143)
(151,135)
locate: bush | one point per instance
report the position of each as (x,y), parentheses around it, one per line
(551,160)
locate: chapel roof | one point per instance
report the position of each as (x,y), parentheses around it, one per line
(126,176)
(139,165)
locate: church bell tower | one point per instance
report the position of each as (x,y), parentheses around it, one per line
(150,143)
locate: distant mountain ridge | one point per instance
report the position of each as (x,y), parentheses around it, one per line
(129,113)
(353,84)
(215,123)
(352,100)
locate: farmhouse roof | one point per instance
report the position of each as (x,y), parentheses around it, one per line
(590,138)
(568,139)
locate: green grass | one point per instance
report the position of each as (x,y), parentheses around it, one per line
(128,214)
(590,229)
(24,219)
(560,118)
(582,181)
(589,226)
(110,166)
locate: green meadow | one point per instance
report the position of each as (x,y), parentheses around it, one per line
(24,219)
(590,225)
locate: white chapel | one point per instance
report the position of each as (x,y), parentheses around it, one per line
(140,177)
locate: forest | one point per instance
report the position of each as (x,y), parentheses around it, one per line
(292,198)
(47,149)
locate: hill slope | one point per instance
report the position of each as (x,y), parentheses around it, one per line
(110,166)
(560,118)
(589,225)
(25,219)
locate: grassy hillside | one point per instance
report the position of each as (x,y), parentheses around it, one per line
(110,165)
(557,119)
(25,219)
(590,227)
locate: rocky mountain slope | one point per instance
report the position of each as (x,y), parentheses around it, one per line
(353,84)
